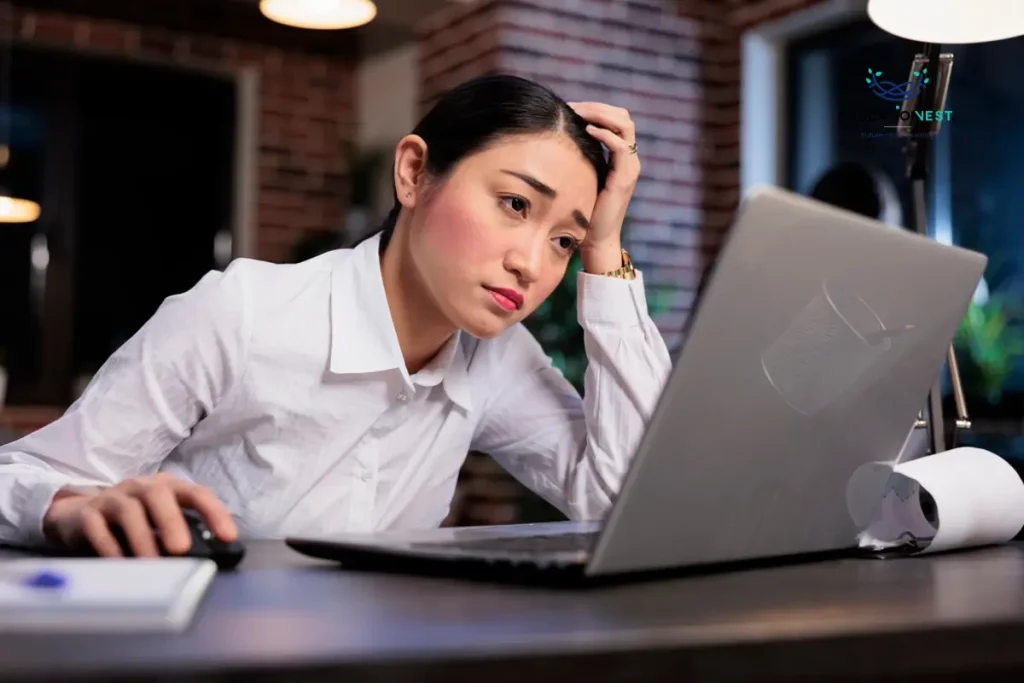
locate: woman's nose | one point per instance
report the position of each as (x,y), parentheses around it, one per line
(525,260)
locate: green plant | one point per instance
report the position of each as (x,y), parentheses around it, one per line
(990,340)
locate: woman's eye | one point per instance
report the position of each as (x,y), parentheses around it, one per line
(568,244)
(516,204)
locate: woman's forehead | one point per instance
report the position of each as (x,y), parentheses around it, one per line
(551,158)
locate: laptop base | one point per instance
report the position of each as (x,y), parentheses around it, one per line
(527,570)
(516,569)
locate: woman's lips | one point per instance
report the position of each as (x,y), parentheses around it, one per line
(509,299)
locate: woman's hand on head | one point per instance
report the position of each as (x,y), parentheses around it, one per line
(74,518)
(613,127)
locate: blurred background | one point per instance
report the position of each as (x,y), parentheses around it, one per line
(160,139)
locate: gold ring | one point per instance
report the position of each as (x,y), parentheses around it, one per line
(632,148)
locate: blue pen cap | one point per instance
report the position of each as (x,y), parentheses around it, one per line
(46,579)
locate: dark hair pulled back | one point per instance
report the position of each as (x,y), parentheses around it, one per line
(477,113)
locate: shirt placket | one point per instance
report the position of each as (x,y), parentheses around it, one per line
(367,464)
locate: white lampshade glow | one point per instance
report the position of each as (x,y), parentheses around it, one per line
(13,210)
(319,14)
(949,22)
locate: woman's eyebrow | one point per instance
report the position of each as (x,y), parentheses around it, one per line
(534,183)
(548,191)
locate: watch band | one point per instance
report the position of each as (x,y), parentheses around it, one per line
(626,272)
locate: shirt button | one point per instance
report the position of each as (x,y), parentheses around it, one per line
(402,397)
(366,475)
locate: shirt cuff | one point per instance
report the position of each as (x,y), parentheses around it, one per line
(610,300)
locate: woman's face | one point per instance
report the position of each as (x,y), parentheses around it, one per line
(493,240)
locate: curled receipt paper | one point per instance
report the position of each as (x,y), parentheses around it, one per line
(961,498)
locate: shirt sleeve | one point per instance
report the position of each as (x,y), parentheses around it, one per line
(573,451)
(142,402)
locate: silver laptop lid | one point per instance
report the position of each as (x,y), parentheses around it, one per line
(811,353)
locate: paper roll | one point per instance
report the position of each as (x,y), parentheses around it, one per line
(961,498)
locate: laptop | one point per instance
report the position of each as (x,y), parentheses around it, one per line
(809,356)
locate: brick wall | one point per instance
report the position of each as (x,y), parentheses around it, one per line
(676,66)
(305,118)
(745,14)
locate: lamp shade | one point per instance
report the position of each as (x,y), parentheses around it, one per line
(949,21)
(319,14)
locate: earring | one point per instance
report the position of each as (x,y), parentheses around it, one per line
(408,194)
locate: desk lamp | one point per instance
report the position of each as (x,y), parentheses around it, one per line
(935,23)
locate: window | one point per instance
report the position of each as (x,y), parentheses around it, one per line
(832,112)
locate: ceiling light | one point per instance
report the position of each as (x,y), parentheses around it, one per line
(320,14)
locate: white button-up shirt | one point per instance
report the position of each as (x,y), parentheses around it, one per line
(283,389)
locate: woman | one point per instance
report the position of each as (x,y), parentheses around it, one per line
(343,393)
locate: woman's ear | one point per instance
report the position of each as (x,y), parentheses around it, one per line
(410,169)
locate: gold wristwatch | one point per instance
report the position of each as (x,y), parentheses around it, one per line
(626,272)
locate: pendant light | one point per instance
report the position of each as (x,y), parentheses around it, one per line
(949,22)
(12,209)
(319,14)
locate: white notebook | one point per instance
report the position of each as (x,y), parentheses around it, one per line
(89,595)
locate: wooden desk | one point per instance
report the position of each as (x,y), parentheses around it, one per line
(283,617)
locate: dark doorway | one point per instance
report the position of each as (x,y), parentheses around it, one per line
(136,182)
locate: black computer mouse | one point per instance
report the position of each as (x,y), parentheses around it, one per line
(204,543)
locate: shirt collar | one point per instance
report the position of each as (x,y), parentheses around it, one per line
(363,337)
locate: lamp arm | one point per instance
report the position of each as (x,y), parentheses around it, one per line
(917,149)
